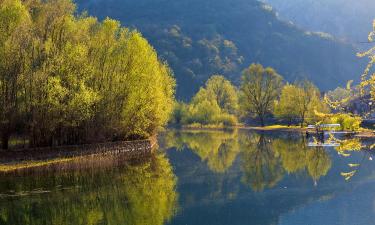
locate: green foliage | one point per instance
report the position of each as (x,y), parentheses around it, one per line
(299,101)
(347,121)
(68,79)
(205,112)
(286,108)
(260,87)
(215,104)
(223,92)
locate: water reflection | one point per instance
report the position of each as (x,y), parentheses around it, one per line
(265,157)
(201,177)
(261,164)
(267,175)
(219,149)
(91,191)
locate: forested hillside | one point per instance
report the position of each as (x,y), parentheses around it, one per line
(347,19)
(201,38)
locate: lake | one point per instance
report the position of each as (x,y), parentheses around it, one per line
(202,178)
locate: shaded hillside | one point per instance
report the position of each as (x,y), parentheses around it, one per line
(200,38)
(347,19)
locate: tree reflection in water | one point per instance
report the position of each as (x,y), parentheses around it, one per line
(265,157)
(260,163)
(217,148)
(266,160)
(91,191)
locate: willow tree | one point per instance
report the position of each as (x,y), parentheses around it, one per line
(137,88)
(260,87)
(14,43)
(223,92)
(285,108)
(216,104)
(70,79)
(300,101)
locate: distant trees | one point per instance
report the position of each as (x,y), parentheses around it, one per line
(68,79)
(262,95)
(214,104)
(260,87)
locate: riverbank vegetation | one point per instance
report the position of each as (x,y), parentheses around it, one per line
(265,99)
(215,105)
(262,96)
(67,79)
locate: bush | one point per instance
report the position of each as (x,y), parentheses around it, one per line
(227,120)
(347,121)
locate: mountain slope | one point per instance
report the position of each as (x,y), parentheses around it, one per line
(199,38)
(347,19)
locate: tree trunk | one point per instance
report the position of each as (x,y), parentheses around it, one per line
(4,140)
(302,120)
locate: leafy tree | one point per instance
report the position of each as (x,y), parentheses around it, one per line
(225,94)
(214,104)
(205,112)
(286,108)
(67,79)
(308,100)
(260,87)
(14,63)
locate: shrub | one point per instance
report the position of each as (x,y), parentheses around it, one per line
(347,121)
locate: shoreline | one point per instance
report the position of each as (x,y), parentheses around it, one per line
(16,159)
(360,134)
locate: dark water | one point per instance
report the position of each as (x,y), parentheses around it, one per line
(202,178)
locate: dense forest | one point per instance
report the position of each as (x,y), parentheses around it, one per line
(346,19)
(67,79)
(201,38)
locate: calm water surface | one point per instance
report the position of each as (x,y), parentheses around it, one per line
(202,178)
